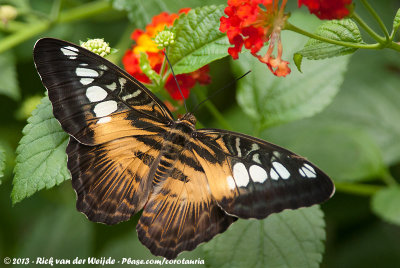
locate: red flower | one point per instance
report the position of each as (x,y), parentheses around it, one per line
(328,9)
(253,23)
(144,43)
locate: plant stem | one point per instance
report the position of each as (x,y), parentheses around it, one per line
(368,29)
(163,78)
(81,12)
(218,116)
(394,45)
(12,26)
(377,18)
(357,189)
(388,178)
(291,27)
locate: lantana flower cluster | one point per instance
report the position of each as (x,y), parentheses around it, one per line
(253,23)
(145,43)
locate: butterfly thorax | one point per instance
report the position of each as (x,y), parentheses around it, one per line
(175,142)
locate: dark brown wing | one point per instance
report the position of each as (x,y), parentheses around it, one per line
(181,212)
(113,180)
(94,100)
(251,178)
(116,127)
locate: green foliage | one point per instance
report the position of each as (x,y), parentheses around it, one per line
(41,160)
(2,162)
(140,12)
(340,30)
(8,76)
(346,153)
(55,225)
(386,204)
(293,238)
(198,39)
(396,22)
(270,101)
(129,244)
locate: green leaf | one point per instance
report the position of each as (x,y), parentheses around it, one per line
(340,30)
(271,100)
(66,232)
(129,246)
(396,22)
(386,204)
(370,101)
(140,12)
(198,39)
(2,162)
(8,76)
(346,153)
(41,158)
(293,238)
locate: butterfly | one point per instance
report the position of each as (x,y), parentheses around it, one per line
(127,153)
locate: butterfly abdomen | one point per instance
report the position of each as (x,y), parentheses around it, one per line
(177,139)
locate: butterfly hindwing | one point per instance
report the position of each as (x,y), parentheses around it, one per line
(181,212)
(94,100)
(113,180)
(251,178)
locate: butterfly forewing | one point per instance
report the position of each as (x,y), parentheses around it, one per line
(94,100)
(250,178)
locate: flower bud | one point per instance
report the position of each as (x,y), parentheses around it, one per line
(98,46)
(164,39)
(8,13)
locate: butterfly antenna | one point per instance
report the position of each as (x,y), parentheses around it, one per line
(176,80)
(219,90)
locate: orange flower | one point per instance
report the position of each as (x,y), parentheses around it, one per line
(252,24)
(328,9)
(145,44)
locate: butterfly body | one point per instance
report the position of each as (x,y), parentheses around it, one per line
(127,153)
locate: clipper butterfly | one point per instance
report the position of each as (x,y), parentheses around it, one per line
(126,153)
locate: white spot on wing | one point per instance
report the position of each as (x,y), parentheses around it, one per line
(112,86)
(86,72)
(277,154)
(256,158)
(310,168)
(105,108)
(67,51)
(231,183)
(122,81)
(133,95)
(302,172)
(282,171)
(86,81)
(240,174)
(274,175)
(96,93)
(72,48)
(237,143)
(104,120)
(258,174)
(308,171)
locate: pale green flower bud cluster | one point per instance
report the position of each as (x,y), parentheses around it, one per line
(97,46)
(164,39)
(8,13)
